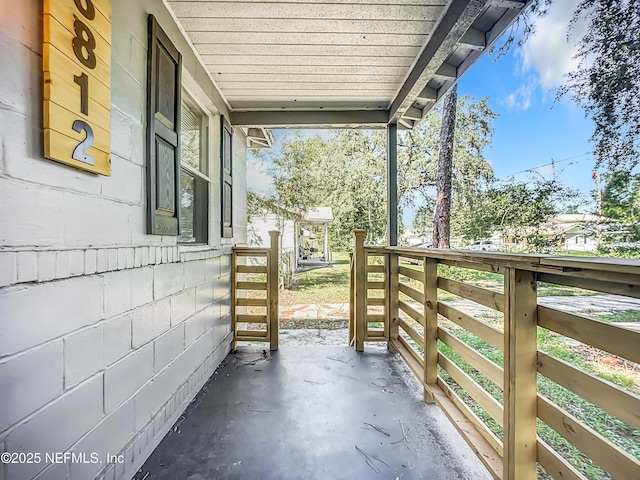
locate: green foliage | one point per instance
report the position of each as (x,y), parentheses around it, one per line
(621,197)
(418,163)
(519,210)
(606,83)
(347,172)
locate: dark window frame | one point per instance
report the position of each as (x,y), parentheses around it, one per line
(226,177)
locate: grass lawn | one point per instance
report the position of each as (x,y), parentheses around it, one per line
(320,285)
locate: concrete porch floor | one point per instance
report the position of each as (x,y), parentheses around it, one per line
(310,413)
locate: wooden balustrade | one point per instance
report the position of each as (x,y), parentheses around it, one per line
(259,292)
(495,402)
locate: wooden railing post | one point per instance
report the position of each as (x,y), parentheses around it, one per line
(393,298)
(520,389)
(273,286)
(430,282)
(234,279)
(360,289)
(352,300)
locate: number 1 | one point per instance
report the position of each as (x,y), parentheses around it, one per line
(83,82)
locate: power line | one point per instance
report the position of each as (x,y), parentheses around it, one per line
(552,162)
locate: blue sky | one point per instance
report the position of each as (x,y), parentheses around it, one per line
(532,129)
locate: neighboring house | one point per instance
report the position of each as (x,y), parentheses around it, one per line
(571,231)
(294,237)
(577,231)
(411,238)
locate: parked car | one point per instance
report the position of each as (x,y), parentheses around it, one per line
(485,246)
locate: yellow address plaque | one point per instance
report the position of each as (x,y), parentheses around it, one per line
(77,83)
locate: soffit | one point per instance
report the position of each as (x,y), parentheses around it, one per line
(338,63)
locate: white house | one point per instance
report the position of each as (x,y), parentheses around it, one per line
(294,237)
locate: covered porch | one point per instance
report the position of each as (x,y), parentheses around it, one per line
(430,388)
(378,65)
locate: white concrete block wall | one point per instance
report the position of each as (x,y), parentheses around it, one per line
(106,333)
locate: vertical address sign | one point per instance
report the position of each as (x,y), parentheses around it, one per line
(77,83)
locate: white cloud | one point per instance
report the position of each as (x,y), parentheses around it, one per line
(258,180)
(548,52)
(545,170)
(521,98)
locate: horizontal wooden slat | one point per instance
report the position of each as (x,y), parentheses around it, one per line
(376,301)
(555,465)
(478,361)
(337,25)
(375,285)
(411,292)
(245,335)
(483,267)
(239,338)
(375,268)
(592,283)
(413,255)
(606,336)
(251,318)
(413,333)
(251,285)
(475,391)
(410,357)
(620,403)
(615,277)
(371,317)
(487,333)
(375,335)
(251,269)
(250,252)
(406,308)
(251,302)
(411,273)
(319,11)
(487,435)
(614,460)
(479,295)
(606,267)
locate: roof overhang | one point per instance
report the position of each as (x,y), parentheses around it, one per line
(329,63)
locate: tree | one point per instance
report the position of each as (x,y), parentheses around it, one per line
(620,200)
(441,218)
(607,82)
(345,171)
(471,172)
(621,197)
(522,210)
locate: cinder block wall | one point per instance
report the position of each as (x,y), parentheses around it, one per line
(106,333)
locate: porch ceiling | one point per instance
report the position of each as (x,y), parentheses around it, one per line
(339,63)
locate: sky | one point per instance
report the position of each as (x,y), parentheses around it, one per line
(533,129)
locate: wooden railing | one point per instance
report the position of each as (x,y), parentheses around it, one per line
(494,392)
(254,294)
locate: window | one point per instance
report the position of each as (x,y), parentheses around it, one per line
(226,180)
(194,180)
(164,66)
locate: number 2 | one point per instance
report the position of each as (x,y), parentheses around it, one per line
(79,153)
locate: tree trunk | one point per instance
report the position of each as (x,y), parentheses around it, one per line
(441,219)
